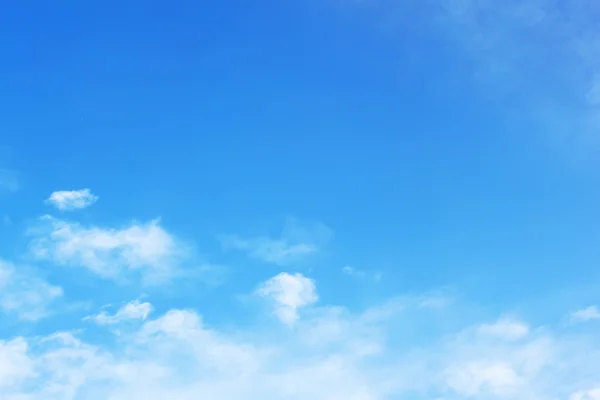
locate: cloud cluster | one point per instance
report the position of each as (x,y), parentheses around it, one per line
(331,352)
(176,355)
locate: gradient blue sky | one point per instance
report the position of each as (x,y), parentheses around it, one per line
(314,200)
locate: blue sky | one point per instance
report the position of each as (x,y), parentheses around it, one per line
(300,200)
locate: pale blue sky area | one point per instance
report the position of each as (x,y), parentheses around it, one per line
(313,199)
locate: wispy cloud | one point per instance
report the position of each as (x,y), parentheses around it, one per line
(543,55)
(361,274)
(9,180)
(69,200)
(24,294)
(134,310)
(591,394)
(586,314)
(505,328)
(296,242)
(275,251)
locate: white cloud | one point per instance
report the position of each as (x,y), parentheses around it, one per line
(296,242)
(68,200)
(134,310)
(23,294)
(360,274)
(473,379)
(592,394)
(587,314)
(505,328)
(15,365)
(351,271)
(289,293)
(176,355)
(275,251)
(109,252)
(437,300)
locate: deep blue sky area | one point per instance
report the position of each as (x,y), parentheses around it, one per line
(218,115)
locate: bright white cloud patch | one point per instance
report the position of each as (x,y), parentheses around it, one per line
(23,294)
(68,200)
(108,252)
(289,293)
(134,310)
(587,314)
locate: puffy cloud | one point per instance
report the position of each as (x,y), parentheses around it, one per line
(68,200)
(23,294)
(134,310)
(109,252)
(289,293)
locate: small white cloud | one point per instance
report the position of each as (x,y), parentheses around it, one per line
(108,252)
(289,293)
(350,271)
(587,314)
(134,310)
(360,274)
(25,295)
(69,200)
(504,328)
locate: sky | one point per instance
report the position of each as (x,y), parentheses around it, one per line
(336,200)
